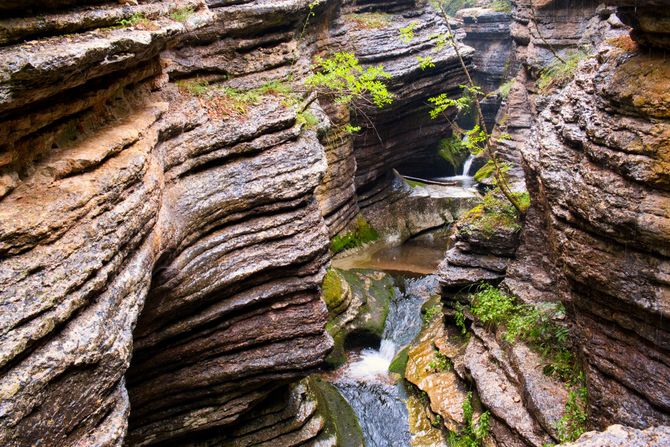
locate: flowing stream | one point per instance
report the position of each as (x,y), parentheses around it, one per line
(376,398)
(465,179)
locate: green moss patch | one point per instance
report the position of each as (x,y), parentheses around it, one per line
(414,183)
(227,102)
(453,151)
(399,363)
(333,292)
(362,232)
(485,172)
(496,214)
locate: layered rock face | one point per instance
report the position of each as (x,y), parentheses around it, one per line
(597,169)
(593,148)
(540,28)
(402,135)
(618,436)
(488,32)
(399,136)
(148,207)
(135,217)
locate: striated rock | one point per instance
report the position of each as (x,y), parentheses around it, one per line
(144,210)
(488,32)
(479,253)
(541,26)
(620,436)
(484,362)
(595,224)
(403,136)
(337,192)
(649,20)
(543,396)
(595,167)
(87,18)
(136,219)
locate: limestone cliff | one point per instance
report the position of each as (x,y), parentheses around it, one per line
(593,146)
(165,210)
(136,220)
(599,169)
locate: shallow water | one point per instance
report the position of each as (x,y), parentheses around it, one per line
(464,181)
(419,256)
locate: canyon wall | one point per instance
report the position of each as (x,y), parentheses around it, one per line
(164,232)
(588,124)
(139,220)
(598,164)
(593,148)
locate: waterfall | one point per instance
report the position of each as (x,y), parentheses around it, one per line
(466,166)
(379,403)
(373,363)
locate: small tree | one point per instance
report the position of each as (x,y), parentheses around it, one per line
(478,139)
(341,78)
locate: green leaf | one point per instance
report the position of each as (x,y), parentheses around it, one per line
(407,32)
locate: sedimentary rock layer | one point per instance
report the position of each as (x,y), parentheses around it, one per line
(597,167)
(402,134)
(136,218)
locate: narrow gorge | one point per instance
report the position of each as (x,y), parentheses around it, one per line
(380,223)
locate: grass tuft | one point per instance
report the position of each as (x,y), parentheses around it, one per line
(369,20)
(558,73)
(182,14)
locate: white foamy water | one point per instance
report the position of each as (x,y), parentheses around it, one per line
(373,363)
(467,165)
(375,396)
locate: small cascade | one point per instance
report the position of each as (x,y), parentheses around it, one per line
(373,363)
(464,179)
(467,165)
(377,399)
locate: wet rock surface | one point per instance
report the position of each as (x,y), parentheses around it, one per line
(498,390)
(619,436)
(488,32)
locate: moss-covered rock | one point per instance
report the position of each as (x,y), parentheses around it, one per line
(335,292)
(399,362)
(370,294)
(485,172)
(361,232)
(494,215)
(453,151)
(341,421)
